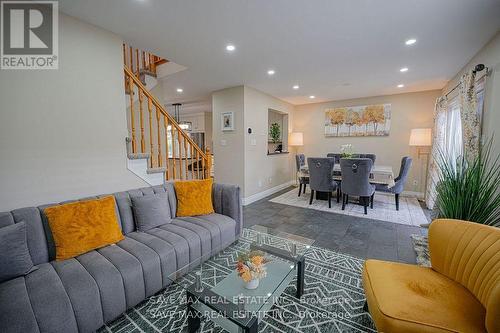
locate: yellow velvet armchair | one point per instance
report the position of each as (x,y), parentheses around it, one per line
(460,293)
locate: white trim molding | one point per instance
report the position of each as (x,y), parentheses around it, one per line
(261,195)
(418,195)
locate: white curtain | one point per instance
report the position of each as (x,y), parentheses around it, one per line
(457,128)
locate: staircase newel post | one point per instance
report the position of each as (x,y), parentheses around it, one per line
(209,163)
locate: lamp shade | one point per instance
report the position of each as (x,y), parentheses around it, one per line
(296,139)
(421,137)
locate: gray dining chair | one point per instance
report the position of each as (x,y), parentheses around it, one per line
(321,177)
(300,161)
(356,181)
(399,181)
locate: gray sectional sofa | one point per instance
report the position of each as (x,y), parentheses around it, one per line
(83,293)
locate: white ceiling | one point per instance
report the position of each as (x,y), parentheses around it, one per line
(334,49)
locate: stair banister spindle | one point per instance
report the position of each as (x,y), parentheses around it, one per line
(151,145)
(173,150)
(192,161)
(137,63)
(186,156)
(203,166)
(167,164)
(180,152)
(141,121)
(197,164)
(132,118)
(143,60)
(131,58)
(158,137)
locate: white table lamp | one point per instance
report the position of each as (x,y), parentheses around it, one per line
(420,137)
(296,139)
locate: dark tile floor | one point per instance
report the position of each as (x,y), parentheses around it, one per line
(360,237)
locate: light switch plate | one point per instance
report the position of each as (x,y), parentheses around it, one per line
(253,142)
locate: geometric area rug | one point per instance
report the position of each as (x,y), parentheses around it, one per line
(384,208)
(333,296)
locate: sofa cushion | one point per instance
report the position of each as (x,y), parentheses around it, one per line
(194,197)
(151,211)
(409,298)
(79,227)
(49,301)
(15,259)
(16,315)
(83,293)
(150,264)
(164,250)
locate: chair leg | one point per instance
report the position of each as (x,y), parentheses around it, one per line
(300,189)
(397,201)
(338,194)
(304,191)
(371,199)
(312,196)
(343,201)
(365,204)
(329,199)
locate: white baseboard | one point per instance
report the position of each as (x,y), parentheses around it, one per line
(257,196)
(418,195)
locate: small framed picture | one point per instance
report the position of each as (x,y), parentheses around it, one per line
(227,119)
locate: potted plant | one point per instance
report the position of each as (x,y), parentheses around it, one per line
(275,132)
(251,268)
(468,188)
(346,151)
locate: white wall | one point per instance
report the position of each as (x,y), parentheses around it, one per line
(62,132)
(412,110)
(229,147)
(489,55)
(270,170)
(237,159)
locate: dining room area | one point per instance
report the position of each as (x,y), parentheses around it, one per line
(367,169)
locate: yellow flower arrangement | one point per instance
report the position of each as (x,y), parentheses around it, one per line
(252,266)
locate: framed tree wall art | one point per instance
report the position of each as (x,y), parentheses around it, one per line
(366,120)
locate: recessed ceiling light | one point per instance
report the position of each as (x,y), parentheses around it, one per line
(401,85)
(230,48)
(404,69)
(312,97)
(271,72)
(296,87)
(411,41)
(179,90)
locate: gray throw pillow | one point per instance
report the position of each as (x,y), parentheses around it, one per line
(151,211)
(15,258)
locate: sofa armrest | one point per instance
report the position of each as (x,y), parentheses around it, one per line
(227,201)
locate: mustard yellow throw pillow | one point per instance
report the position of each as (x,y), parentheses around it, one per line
(194,197)
(83,226)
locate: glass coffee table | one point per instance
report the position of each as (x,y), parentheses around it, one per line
(222,297)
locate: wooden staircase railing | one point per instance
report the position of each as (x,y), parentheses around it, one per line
(141,62)
(171,149)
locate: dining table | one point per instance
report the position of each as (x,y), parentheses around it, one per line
(380,174)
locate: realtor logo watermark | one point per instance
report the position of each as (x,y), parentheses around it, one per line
(29,35)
